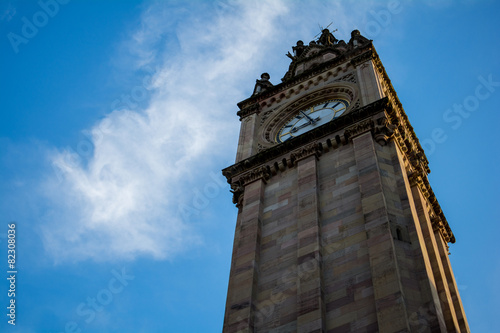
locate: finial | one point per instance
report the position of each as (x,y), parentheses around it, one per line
(262,84)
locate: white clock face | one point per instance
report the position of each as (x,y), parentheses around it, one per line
(312,117)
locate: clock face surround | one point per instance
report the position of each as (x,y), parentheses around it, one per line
(311,118)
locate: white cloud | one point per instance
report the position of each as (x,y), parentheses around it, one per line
(123,201)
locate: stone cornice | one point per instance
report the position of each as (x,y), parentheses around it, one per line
(255,174)
(252,108)
(308,150)
(405,135)
(438,220)
(363,57)
(359,128)
(407,140)
(306,138)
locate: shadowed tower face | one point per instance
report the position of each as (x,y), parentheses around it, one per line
(338,229)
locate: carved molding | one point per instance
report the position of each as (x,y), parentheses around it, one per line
(438,220)
(407,141)
(399,138)
(439,226)
(265,116)
(362,58)
(351,77)
(238,187)
(291,145)
(383,131)
(237,190)
(251,109)
(255,174)
(358,129)
(417,179)
(404,134)
(306,151)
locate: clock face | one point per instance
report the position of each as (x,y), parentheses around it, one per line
(312,117)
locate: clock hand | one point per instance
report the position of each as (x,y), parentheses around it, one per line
(295,129)
(310,119)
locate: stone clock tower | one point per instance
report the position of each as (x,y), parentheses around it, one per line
(338,229)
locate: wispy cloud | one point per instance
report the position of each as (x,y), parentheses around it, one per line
(123,201)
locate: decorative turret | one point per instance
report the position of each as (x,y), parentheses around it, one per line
(262,84)
(324,49)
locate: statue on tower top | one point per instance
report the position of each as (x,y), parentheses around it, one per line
(327,38)
(323,48)
(297,50)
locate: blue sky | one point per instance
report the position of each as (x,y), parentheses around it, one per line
(118,116)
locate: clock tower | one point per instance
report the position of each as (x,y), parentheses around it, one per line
(338,229)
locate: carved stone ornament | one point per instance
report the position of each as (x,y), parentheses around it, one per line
(383,131)
(267,114)
(255,174)
(306,151)
(400,140)
(351,77)
(238,187)
(237,190)
(417,161)
(407,141)
(254,108)
(359,128)
(439,226)
(419,178)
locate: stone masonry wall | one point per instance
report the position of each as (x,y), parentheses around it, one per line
(338,248)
